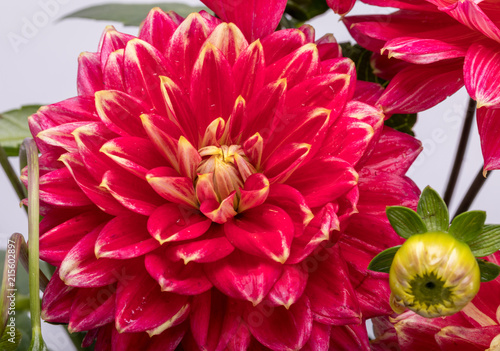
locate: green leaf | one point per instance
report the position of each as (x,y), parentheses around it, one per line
(383,261)
(14,128)
(468,225)
(131,14)
(10,339)
(405,221)
(402,122)
(361,58)
(489,270)
(487,242)
(433,211)
(303,10)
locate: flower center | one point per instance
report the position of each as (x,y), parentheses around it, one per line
(228,165)
(430,290)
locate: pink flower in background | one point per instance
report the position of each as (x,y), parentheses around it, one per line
(476,327)
(218,187)
(436,47)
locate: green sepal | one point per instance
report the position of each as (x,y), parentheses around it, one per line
(433,211)
(489,271)
(131,14)
(383,261)
(304,10)
(14,128)
(402,122)
(405,221)
(10,340)
(468,225)
(487,242)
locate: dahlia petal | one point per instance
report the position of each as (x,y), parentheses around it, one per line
(404,4)
(329,90)
(309,31)
(347,337)
(240,340)
(169,339)
(368,92)
(188,158)
(112,40)
(113,73)
(59,188)
(255,18)
(141,306)
(143,64)
(125,237)
(282,43)
(457,337)
(317,232)
(172,222)
(394,153)
(337,177)
(215,131)
(99,196)
(422,51)
(168,184)
(365,113)
(136,155)
(336,309)
(248,70)
(57,300)
(89,140)
(229,39)
(205,188)
(61,135)
(120,112)
(320,337)
(487,122)
(164,134)
(122,341)
(212,72)
(385,67)
(481,74)
(81,268)
(341,7)
(279,328)
(177,277)
(292,201)
(220,213)
(265,231)
(253,148)
(77,109)
(254,193)
(328,47)
(284,161)
(92,308)
(212,247)
(295,67)
(417,88)
(89,74)
(56,242)
(243,276)
(185,45)
(289,287)
(158,27)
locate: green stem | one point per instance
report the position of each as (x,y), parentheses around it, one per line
(11,174)
(37,343)
(459,156)
(474,188)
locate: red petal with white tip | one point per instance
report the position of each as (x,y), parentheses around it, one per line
(228,38)
(220,212)
(489,128)
(254,193)
(282,43)
(284,161)
(158,27)
(248,70)
(113,76)
(341,7)
(125,237)
(168,184)
(112,40)
(320,337)
(243,276)
(61,135)
(141,306)
(59,188)
(349,337)
(57,300)
(289,287)
(89,74)
(92,308)
(265,231)
(177,277)
(172,222)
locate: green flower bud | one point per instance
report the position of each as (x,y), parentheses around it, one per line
(433,274)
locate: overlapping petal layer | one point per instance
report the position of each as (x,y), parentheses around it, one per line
(219,187)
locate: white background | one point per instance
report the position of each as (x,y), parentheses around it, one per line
(42,70)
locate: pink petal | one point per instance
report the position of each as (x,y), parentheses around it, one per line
(59,188)
(172,222)
(284,161)
(111,41)
(341,7)
(328,48)
(141,306)
(320,337)
(168,184)
(255,18)
(254,193)
(169,339)
(112,72)
(188,158)
(487,123)
(352,336)
(422,51)
(243,276)
(92,308)
(57,300)
(481,74)
(282,43)
(367,92)
(125,237)
(158,27)
(248,70)
(61,135)
(89,74)
(420,87)
(228,38)
(220,212)
(289,287)
(177,277)
(281,329)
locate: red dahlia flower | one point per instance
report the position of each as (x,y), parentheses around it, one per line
(215,190)
(443,44)
(476,327)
